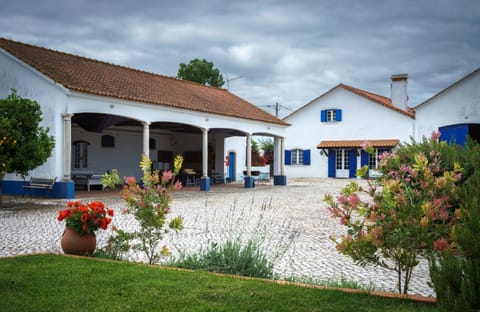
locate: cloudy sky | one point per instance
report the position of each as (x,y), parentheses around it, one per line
(283,51)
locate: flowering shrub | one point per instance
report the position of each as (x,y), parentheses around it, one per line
(455,272)
(409,211)
(150,204)
(86,218)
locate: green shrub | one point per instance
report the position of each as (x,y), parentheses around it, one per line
(229,258)
(117,246)
(456,272)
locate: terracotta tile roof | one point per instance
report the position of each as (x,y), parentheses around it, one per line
(104,79)
(369,95)
(379,99)
(357,143)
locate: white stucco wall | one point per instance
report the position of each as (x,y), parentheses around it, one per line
(362,119)
(237,145)
(55,101)
(459,104)
(50,96)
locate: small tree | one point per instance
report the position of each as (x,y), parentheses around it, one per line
(150,205)
(409,211)
(257,159)
(201,71)
(24,144)
(267,146)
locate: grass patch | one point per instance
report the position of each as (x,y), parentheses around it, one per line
(58,283)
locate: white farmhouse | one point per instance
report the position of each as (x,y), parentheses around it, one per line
(326,135)
(454,111)
(104,117)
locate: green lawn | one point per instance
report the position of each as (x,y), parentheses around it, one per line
(59,283)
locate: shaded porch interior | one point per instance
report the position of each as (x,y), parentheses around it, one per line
(99,146)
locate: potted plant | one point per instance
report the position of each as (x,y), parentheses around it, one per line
(82,220)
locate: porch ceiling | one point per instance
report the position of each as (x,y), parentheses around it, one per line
(94,122)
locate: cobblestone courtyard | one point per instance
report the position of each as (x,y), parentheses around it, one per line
(291,221)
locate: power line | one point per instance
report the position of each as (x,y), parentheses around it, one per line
(228,80)
(277,108)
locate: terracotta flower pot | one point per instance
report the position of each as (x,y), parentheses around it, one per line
(76,244)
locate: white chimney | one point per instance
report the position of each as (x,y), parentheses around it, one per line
(399,93)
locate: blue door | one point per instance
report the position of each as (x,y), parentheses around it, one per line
(231,166)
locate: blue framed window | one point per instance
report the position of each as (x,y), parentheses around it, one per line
(297,157)
(331,115)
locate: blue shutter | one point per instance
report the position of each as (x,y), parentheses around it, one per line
(288,157)
(339,115)
(352,158)
(306,157)
(323,116)
(332,167)
(364,158)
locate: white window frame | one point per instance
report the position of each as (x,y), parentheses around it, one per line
(297,156)
(331,115)
(80,155)
(342,161)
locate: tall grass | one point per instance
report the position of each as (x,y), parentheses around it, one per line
(231,257)
(246,248)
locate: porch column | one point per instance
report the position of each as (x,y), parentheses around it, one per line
(204,180)
(146,138)
(66,188)
(249,179)
(67,146)
(280,179)
(282,155)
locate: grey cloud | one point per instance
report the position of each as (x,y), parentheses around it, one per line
(288,51)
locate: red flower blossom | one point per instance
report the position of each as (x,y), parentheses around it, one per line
(86,218)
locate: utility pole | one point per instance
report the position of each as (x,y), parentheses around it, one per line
(228,80)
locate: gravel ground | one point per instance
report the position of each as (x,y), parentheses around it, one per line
(291,221)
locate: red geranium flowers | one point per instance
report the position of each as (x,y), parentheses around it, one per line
(86,218)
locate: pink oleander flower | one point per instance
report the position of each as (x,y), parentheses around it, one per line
(440,244)
(368,147)
(177,186)
(435,135)
(130,180)
(166,176)
(353,199)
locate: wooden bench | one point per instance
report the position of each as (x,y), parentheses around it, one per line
(39,183)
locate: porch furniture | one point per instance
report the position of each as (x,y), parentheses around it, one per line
(191,176)
(258,176)
(217,178)
(264,177)
(86,177)
(39,183)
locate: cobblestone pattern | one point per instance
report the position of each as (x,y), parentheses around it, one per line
(291,221)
